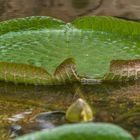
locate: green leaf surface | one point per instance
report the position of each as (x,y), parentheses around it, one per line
(92,41)
(109,25)
(30,23)
(87,131)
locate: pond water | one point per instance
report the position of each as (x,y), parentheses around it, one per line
(111,102)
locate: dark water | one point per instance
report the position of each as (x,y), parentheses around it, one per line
(111,102)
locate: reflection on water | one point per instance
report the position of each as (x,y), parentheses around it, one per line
(116,103)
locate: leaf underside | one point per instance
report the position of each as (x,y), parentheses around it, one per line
(66,72)
(123,70)
(29,74)
(46,42)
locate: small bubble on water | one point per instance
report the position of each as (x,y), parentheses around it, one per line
(114,41)
(125,48)
(137,55)
(109,39)
(3,51)
(134,46)
(131,50)
(2,47)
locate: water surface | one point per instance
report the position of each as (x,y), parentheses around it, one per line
(115,103)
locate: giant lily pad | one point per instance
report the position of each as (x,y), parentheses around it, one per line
(92,41)
(87,131)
